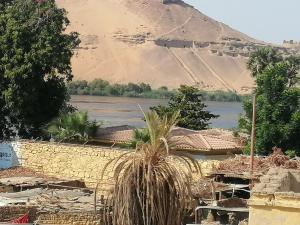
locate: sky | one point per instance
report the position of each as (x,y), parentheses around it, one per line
(267,20)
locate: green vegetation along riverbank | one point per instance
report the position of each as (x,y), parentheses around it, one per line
(100,87)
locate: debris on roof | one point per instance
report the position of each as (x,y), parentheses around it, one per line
(13,184)
(239,166)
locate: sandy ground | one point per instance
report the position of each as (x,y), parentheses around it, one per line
(117,45)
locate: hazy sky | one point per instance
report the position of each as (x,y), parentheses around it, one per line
(267,20)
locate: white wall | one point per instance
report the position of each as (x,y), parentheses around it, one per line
(10,154)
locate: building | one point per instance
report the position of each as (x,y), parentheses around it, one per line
(204,144)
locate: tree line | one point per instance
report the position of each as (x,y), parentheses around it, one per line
(99,87)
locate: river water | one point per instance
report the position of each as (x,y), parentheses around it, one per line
(115,111)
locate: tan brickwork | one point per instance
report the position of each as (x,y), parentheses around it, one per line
(70,219)
(67,161)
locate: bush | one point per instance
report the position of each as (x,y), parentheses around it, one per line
(100,87)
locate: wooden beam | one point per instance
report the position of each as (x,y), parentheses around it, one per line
(253,136)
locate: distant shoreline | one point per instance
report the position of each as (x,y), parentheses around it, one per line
(103,88)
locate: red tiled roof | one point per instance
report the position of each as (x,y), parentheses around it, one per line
(183,139)
(120,134)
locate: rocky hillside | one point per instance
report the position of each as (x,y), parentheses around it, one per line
(168,44)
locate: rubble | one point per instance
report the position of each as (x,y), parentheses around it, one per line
(239,166)
(55,201)
(19,172)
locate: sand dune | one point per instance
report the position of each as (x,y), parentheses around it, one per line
(161,44)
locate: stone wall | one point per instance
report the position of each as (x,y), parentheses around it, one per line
(70,218)
(276,200)
(66,161)
(86,163)
(279,180)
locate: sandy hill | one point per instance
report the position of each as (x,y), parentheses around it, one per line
(161,44)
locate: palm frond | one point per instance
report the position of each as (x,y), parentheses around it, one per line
(73,127)
(153,184)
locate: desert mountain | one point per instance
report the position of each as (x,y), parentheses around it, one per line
(162,43)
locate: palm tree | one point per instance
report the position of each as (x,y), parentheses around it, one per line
(140,136)
(267,56)
(153,183)
(73,127)
(262,58)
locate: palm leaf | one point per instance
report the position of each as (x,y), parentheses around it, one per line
(153,184)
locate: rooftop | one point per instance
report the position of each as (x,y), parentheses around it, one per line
(207,141)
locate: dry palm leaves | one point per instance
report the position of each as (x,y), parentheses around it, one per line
(241,163)
(203,188)
(150,189)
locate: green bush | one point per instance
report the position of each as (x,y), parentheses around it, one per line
(73,127)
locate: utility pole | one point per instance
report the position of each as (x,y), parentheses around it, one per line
(253,135)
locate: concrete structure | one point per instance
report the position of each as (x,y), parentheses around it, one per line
(276,200)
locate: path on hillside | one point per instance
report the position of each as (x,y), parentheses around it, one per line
(221,35)
(184,66)
(226,85)
(175,28)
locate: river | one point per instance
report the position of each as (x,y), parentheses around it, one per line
(115,111)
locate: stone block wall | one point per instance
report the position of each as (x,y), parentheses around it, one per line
(66,161)
(86,163)
(79,218)
(276,200)
(279,180)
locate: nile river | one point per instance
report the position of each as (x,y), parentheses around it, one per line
(115,111)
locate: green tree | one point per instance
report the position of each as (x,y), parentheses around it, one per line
(98,84)
(145,87)
(267,56)
(73,127)
(135,88)
(75,87)
(35,54)
(163,88)
(262,58)
(192,110)
(278,106)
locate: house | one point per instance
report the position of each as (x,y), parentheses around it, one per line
(204,144)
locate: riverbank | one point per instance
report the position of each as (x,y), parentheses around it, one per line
(104,88)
